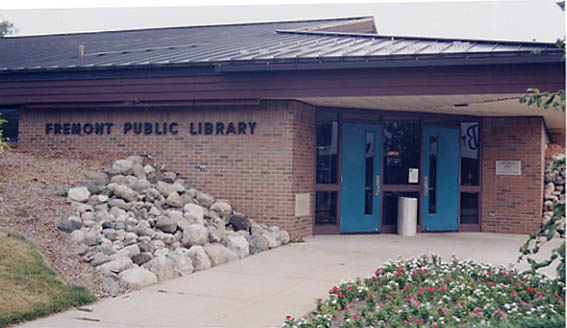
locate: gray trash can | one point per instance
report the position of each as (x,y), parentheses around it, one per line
(407,216)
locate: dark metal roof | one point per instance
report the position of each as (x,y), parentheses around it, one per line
(283,45)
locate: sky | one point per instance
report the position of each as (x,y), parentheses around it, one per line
(517,20)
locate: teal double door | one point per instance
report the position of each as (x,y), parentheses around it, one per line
(361,181)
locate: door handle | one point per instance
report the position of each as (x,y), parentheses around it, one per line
(377,185)
(425,185)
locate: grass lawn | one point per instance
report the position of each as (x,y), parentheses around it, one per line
(427,292)
(28,287)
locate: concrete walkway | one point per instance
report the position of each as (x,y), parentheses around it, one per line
(261,290)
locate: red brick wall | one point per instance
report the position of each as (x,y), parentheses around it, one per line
(304,143)
(512,204)
(259,174)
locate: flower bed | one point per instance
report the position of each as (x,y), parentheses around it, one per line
(427,292)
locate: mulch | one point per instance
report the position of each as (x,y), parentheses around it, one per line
(30,205)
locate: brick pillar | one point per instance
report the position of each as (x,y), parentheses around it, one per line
(512,204)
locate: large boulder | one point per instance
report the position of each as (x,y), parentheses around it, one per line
(116,266)
(142,258)
(123,166)
(195,234)
(126,193)
(167,224)
(258,243)
(222,208)
(239,222)
(205,199)
(137,278)
(70,224)
(182,261)
(162,267)
(129,251)
(216,254)
(194,213)
(138,171)
(174,200)
(99,178)
(238,245)
(200,258)
(164,188)
(79,194)
(282,237)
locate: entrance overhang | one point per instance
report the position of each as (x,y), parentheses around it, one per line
(491,105)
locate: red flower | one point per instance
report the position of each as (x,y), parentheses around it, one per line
(355,316)
(287,317)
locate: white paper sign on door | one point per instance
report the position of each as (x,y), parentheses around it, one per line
(413,176)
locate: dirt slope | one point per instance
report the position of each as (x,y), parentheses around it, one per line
(29,205)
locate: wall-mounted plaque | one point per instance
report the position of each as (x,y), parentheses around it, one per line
(302,202)
(508,167)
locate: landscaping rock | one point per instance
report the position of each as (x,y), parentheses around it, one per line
(100,258)
(222,208)
(110,286)
(183,264)
(194,213)
(78,236)
(116,266)
(239,222)
(70,225)
(137,278)
(195,234)
(79,194)
(123,166)
(128,251)
(142,258)
(199,258)
(99,178)
(238,245)
(167,224)
(258,243)
(205,199)
(282,237)
(216,254)
(162,267)
(126,193)
(146,222)
(174,200)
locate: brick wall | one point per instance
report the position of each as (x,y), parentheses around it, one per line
(512,204)
(304,143)
(259,174)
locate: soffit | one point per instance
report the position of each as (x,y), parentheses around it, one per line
(476,105)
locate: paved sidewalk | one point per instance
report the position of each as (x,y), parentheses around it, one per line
(261,290)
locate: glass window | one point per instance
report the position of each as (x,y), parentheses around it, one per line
(390,206)
(469,208)
(432,187)
(370,144)
(402,142)
(470,144)
(326,208)
(10,127)
(327,147)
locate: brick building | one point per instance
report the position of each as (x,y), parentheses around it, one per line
(318,126)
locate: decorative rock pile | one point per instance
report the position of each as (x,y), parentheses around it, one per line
(140,225)
(554,190)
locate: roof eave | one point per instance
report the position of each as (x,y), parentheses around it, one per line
(318,63)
